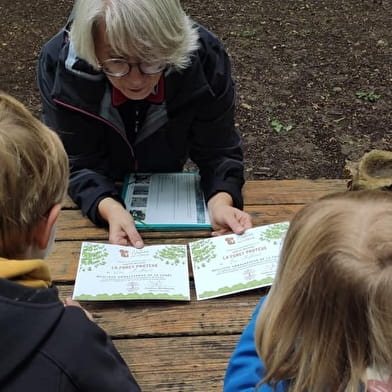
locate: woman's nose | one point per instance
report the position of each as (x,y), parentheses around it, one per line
(135,77)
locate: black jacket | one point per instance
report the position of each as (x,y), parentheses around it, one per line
(195,120)
(47,347)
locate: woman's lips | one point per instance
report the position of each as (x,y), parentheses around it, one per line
(136,93)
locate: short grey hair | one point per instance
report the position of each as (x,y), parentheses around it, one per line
(151,30)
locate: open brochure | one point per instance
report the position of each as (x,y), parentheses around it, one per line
(221,265)
(166,201)
(232,263)
(114,272)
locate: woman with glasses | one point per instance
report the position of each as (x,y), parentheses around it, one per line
(136,86)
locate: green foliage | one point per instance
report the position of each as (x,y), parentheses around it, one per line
(202,252)
(237,287)
(369,97)
(274,232)
(249,33)
(93,255)
(278,126)
(171,254)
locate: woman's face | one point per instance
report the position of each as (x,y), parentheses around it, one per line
(135,85)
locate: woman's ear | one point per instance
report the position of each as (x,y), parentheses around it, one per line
(42,233)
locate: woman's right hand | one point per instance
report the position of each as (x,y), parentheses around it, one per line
(122,230)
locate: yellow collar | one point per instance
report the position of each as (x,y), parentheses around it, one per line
(32,273)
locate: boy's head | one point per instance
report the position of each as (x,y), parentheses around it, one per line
(33,179)
(329,313)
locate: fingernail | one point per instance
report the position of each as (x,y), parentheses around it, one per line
(139,244)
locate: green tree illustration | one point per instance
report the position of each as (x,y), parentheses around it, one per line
(274,232)
(93,255)
(172,255)
(203,252)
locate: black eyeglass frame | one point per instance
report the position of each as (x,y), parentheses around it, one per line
(141,66)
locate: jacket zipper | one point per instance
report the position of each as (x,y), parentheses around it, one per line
(107,123)
(137,120)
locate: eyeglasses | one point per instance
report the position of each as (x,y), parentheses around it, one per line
(118,68)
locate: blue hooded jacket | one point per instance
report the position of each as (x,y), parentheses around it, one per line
(245,368)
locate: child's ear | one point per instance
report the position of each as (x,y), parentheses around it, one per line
(43,231)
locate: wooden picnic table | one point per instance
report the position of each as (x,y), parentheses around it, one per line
(179,346)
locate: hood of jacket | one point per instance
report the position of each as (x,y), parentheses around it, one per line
(27,316)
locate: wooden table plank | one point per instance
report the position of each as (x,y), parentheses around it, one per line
(132,319)
(278,191)
(268,201)
(179,364)
(72,226)
(289,191)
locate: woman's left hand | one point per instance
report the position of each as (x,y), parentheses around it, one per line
(225,218)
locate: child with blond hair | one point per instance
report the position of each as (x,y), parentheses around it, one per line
(326,324)
(45,345)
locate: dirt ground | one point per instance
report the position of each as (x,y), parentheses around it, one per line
(313,77)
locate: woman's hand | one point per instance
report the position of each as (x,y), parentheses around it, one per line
(225,218)
(122,230)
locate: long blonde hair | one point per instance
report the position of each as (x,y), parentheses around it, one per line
(328,315)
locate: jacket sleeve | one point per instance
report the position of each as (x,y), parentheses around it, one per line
(88,182)
(87,355)
(216,144)
(245,369)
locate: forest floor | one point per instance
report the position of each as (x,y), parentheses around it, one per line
(313,78)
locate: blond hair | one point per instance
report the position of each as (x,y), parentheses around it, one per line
(150,30)
(33,174)
(328,315)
